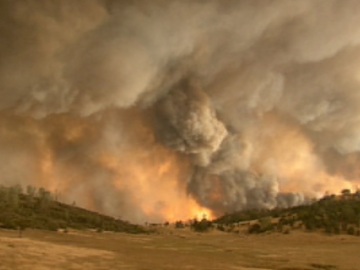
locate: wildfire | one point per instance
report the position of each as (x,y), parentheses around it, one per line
(199,213)
(160,189)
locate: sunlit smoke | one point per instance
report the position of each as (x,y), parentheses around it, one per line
(180,109)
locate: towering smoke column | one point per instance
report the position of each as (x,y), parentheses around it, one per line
(162,110)
(188,123)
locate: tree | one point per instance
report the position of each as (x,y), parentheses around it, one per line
(31,193)
(45,198)
(201,226)
(22,225)
(179,224)
(12,195)
(346,193)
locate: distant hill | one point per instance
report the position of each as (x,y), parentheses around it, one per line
(38,209)
(333,214)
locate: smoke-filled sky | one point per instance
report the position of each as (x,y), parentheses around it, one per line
(162,110)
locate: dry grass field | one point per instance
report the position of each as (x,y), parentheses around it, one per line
(177,249)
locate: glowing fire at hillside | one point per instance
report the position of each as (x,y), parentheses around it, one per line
(132,109)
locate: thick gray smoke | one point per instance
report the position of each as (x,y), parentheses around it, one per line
(135,107)
(189,124)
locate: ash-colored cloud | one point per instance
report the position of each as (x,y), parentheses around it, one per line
(136,108)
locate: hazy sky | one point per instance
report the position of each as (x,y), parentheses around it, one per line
(161,110)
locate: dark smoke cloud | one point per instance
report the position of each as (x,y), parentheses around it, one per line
(240,104)
(189,123)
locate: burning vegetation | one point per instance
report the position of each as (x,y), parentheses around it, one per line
(162,111)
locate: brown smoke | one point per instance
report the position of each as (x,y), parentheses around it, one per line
(154,110)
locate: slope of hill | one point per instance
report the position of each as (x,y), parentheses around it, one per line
(39,210)
(331,214)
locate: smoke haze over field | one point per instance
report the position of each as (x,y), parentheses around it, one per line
(161,110)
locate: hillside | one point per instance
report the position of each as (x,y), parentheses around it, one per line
(333,214)
(38,209)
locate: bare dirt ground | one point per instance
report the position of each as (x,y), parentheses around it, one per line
(177,249)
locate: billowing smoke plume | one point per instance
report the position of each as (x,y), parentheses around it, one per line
(189,124)
(154,110)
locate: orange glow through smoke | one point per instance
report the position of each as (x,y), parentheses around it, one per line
(160,191)
(288,153)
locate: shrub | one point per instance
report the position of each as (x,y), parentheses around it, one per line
(179,224)
(254,228)
(201,226)
(220,227)
(351,231)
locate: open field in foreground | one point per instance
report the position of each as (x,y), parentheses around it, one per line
(177,249)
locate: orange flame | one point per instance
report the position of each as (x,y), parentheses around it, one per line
(155,178)
(160,190)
